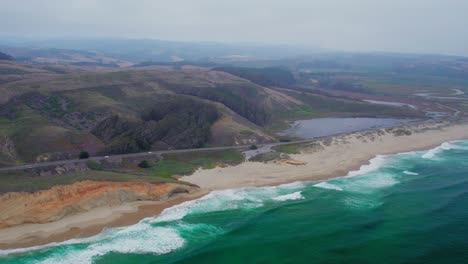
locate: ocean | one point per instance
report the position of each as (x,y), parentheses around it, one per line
(403,208)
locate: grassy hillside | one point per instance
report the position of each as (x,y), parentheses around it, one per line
(121,112)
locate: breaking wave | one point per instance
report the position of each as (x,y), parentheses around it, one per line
(432,153)
(326,185)
(374,164)
(287,197)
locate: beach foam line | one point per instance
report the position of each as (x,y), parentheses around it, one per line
(374,164)
(292,185)
(157,240)
(241,198)
(432,153)
(230,199)
(139,238)
(326,185)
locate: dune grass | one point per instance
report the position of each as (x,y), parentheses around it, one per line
(288,149)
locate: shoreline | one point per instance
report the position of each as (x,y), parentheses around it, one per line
(324,161)
(331,157)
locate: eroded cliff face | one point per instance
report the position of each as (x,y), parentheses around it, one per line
(60,201)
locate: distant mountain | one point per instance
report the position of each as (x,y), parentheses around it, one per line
(4,56)
(142,50)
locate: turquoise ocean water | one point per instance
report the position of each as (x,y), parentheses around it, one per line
(404,208)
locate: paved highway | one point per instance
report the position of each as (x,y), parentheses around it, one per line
(155,153)
(141,154)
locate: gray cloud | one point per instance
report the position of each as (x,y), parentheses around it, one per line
(429,26)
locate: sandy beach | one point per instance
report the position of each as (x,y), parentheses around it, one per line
(331,157)
(326,158)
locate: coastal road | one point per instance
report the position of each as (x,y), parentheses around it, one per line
(144,154)
(261,149)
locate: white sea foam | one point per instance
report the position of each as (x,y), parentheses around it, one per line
(231,199)
(369,184)
(326,185)
(217,201)
(287,197)
(157,240)
(382,180)
(410,173)
(144,237)
(292,185)
(73,241)
(374,164)
(361,202)
(139,238)
(432,153)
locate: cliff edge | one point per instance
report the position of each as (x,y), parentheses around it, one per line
(53,204)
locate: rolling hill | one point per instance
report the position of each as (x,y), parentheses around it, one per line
(54,112)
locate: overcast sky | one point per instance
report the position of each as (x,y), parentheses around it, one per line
(426,26)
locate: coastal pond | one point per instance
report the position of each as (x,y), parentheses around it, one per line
(321,127)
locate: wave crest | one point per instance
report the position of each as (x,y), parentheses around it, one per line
(326,185)
(374,164)
(287,197)
(432,153)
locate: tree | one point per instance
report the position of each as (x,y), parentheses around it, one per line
(84,155)
(144,164)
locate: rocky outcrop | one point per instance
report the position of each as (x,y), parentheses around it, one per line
(60,201)
(7,148)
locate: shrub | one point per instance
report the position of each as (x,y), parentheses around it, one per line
(247,132)
(84,155)
(144,164)
(94,165)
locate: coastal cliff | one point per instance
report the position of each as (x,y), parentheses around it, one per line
(60,201)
